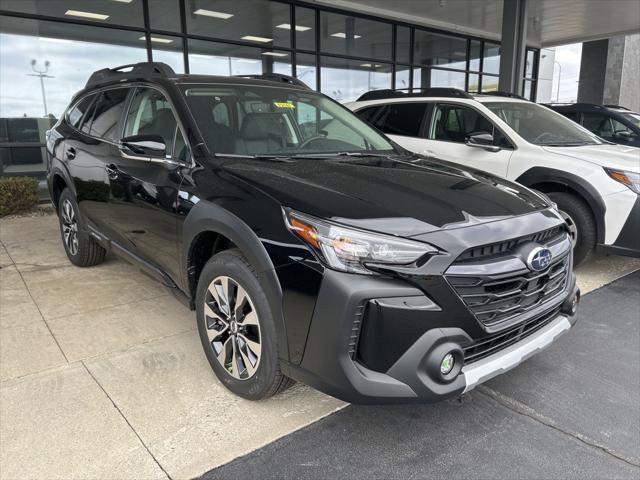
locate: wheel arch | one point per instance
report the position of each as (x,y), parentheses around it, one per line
(548,180)
(214,229)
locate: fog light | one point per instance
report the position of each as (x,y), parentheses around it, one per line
(447,364)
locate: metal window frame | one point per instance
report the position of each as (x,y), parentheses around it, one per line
(146,29)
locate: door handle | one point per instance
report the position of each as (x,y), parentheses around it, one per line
(112,171)
(71,153)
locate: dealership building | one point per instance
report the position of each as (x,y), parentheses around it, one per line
(48,48)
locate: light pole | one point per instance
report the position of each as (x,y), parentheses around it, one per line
(559,77)
(42,74)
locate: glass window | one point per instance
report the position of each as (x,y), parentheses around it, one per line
(491,60)
(369,113)
(76,113)
(442,50)
(539,125)
(107,112)
(403,44)
(455,123)
(634,118)
(279,121)
(180,149)
(530,63)
(602,125)
(214,58)
(168,50)
(111,13)
(345,80)
(85,123)
(66,54)
(431,77)
(489,83)
(255,21)
(305,28)
(358,37)
(151,114)
(306,69)
(527,91)
(474,83)
(164,15)
(403,73)
(400,119)
(475,51)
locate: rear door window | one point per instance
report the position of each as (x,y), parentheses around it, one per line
(400,119)
(74,117)
(107,112)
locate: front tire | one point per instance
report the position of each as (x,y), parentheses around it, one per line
(582,225)
(81,249)
(237,328)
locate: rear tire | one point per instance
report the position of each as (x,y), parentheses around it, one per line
(580,219)
(81,249)
(237,328)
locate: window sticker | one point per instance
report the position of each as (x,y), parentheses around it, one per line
(284,105)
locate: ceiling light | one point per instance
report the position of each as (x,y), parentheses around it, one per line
(78,13)
(246,60)
(365,64)
(344,35)
(157,39)
(123,1)
(275,54)
(257,39)
(299,28)
(212,13)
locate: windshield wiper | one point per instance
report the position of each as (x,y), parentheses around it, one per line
(275,158)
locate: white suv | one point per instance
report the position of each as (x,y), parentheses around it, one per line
(595,184)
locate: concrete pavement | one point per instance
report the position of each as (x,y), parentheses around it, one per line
(103,376)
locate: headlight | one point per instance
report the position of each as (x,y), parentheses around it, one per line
(630,179)
(350,250)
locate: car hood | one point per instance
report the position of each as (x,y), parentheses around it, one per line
(612,156)
(402,195)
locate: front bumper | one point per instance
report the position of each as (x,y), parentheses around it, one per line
(628,241)
(403,338)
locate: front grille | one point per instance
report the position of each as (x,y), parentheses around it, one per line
(493,344)
(548,237)
(495,299)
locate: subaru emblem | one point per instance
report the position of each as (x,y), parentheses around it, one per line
(539,258)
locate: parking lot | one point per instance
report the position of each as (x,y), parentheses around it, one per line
(103,376)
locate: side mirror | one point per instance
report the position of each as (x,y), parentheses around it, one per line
(482,140)
(147,146)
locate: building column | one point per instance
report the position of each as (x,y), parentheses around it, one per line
(513,45)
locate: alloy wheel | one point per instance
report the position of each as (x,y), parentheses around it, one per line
(573,228)
(233,327)
(69,227)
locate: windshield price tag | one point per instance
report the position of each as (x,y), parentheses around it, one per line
(284,105)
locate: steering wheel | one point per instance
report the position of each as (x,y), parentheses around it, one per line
(310,140)
(542,136)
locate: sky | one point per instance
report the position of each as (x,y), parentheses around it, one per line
(568,56)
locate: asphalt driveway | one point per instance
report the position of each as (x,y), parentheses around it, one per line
(572,411)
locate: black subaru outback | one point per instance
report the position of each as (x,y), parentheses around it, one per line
(311,246)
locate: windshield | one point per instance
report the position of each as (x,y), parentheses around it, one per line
(271,121)
(541,126)
(634,118)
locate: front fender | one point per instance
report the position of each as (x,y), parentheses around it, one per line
(209,217)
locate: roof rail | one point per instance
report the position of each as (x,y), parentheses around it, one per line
(500,93)
(423,92)
(133,70)
(276,77)
(616,106)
